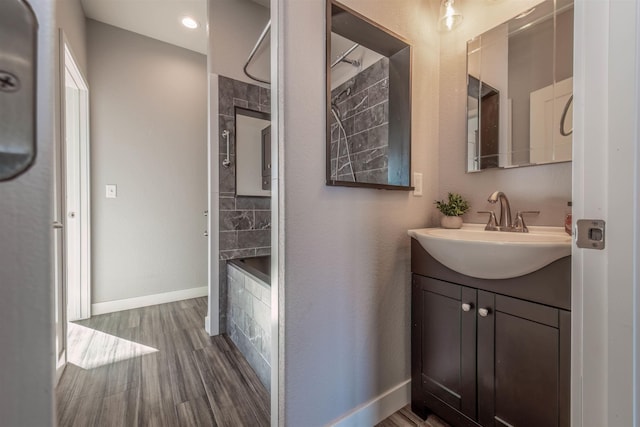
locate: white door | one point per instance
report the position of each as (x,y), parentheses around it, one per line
(26,236)
(605,186)
(72,196)
(76,201)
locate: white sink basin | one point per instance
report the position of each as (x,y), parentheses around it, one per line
(474,252)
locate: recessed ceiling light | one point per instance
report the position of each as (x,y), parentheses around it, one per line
(189,23)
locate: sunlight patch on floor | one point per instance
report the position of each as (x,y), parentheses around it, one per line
(90,349)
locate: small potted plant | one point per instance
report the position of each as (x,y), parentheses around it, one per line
(452,210)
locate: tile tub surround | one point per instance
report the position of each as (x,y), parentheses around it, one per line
(365,116)
(249,319)
(245,222)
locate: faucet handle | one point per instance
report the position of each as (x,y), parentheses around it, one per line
(492,225)
(519,225)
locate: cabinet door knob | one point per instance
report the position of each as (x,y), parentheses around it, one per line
(483,312)
(466,307)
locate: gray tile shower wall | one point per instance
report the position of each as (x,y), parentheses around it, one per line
(365,116)
(245,222)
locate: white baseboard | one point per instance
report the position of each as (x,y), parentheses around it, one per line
(147,300)
(61,364)
(207,325)
(377,409)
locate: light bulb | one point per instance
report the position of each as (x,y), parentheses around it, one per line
(450,15)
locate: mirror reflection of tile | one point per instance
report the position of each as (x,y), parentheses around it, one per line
(363,106)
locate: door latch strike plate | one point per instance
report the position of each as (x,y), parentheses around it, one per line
(590,233)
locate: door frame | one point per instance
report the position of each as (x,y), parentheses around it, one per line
(79,299)
(605,364)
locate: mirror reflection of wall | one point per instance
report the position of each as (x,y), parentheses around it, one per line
(528,61)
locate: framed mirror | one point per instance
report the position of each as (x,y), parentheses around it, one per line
(368,103)
(253,153)
(520,90)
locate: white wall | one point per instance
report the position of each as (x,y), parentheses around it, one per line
(148,136)
(346,250)
(546,188)
(26,290)
(234,29)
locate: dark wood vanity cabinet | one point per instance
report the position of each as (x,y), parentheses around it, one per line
(483,357)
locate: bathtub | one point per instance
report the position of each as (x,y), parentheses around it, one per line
(259,267)
(249,312)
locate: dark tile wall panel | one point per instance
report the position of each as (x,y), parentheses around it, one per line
(245,222)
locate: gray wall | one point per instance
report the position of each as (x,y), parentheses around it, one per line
(148,136)
(70,17)
(346,250)
(546,188)
(26,238)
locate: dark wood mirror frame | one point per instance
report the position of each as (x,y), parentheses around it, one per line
(354,26)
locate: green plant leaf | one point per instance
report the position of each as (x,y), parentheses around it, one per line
(455,206)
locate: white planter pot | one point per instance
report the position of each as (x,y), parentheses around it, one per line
(451,222)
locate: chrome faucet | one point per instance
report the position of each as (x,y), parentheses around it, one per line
(504,223)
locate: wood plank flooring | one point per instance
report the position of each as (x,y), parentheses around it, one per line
(405,418)
(157,366)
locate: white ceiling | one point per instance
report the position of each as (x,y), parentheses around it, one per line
(158,19)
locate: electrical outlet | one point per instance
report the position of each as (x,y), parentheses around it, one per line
(417,184)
